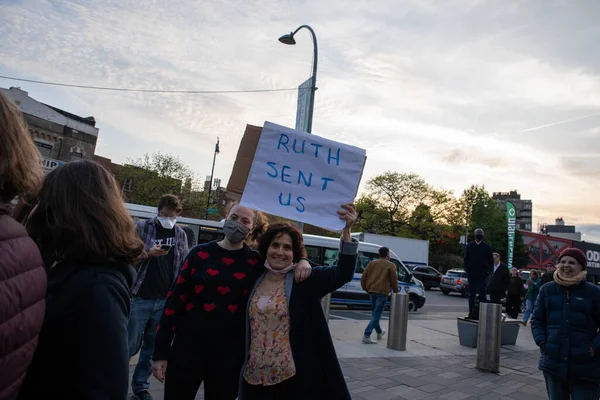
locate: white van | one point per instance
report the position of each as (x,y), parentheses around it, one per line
(323,250)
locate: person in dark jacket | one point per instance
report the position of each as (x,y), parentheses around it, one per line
(566,327)
(499,281)
(22,273)
(479,265)
(548,276)
(515,294)
(289,351)
(87,242)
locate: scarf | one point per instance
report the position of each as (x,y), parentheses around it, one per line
(569,281)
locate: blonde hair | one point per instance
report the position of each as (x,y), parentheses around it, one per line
(20,169)
(260,224)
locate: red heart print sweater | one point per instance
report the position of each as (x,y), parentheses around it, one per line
(207,302)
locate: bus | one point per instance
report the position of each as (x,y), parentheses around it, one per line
(198,231)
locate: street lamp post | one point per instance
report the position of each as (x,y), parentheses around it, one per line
(212,172)
(289,39)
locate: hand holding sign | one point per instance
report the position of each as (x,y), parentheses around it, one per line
(303,177)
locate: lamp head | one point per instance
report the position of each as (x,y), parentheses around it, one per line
(288,39)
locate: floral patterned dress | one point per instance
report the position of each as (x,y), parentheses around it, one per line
(270,359)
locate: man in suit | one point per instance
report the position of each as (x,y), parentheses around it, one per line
(499,281)
(479,265)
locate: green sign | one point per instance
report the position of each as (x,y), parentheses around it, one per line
(511,222)
(212,211)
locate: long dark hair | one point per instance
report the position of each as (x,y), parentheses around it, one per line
(280,228)
(80,216)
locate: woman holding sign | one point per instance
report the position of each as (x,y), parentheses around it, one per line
(201,333)
(289,351)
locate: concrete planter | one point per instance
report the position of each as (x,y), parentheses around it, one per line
(467,332)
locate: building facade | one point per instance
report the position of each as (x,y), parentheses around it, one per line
(559,229)
(524,208)
(59,135)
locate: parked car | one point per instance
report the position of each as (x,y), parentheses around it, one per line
(456,281)
(430,276)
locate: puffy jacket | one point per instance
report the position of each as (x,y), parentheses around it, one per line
(22,291)
(565,325)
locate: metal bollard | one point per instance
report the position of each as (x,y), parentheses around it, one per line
(488,337)
(326,304)
(398,323)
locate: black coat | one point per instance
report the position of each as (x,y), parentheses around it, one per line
(479,261)
(82,350)
(499,280)
(318,372)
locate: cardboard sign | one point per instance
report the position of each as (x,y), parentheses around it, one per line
(302,177)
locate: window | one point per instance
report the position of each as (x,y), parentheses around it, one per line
(402,274)
(127,184)
(330,257)
(45,149)
(75,156)
(313,253)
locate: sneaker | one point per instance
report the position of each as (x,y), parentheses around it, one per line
(368,340)
(381,335)
(142,395)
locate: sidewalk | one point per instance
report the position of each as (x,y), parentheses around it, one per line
(434,366)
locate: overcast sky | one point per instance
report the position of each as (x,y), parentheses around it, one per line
(501,93)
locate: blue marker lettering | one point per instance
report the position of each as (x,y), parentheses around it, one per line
(272,165)
(316,148)
(325,180)
(301,204)
(336,158)
(282,143)
(284,175)
(301,175)
(289,201)
(301,151)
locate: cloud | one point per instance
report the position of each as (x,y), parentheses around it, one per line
(460,92)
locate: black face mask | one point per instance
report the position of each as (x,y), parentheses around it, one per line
(479,238)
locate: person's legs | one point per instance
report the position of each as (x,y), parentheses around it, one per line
(222,379)
(472,294)
(373,321)
(528,310)
(481,291)
(140,315)
(584,391)
(513,304)
(557,388)
(185,372)
(495,298)
(379,306)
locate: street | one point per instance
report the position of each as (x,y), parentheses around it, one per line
(437,306)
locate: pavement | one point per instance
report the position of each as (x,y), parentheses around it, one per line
(434,365)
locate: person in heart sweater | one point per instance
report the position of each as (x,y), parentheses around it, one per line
(201,334)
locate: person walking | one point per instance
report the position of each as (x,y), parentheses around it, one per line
(378,280)
(515,294)
(566,327)
(499,281)
(533,289)
(289,351)
(548,276)
(87,241)
(22,273)
(201,335)
(479,265)
(166,245)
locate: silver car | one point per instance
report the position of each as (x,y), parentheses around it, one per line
(456,281)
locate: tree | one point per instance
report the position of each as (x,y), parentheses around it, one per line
(397,194)
(147,178)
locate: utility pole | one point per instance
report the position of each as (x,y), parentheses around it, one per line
(212,172)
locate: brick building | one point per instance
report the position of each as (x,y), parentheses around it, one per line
(59,135)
